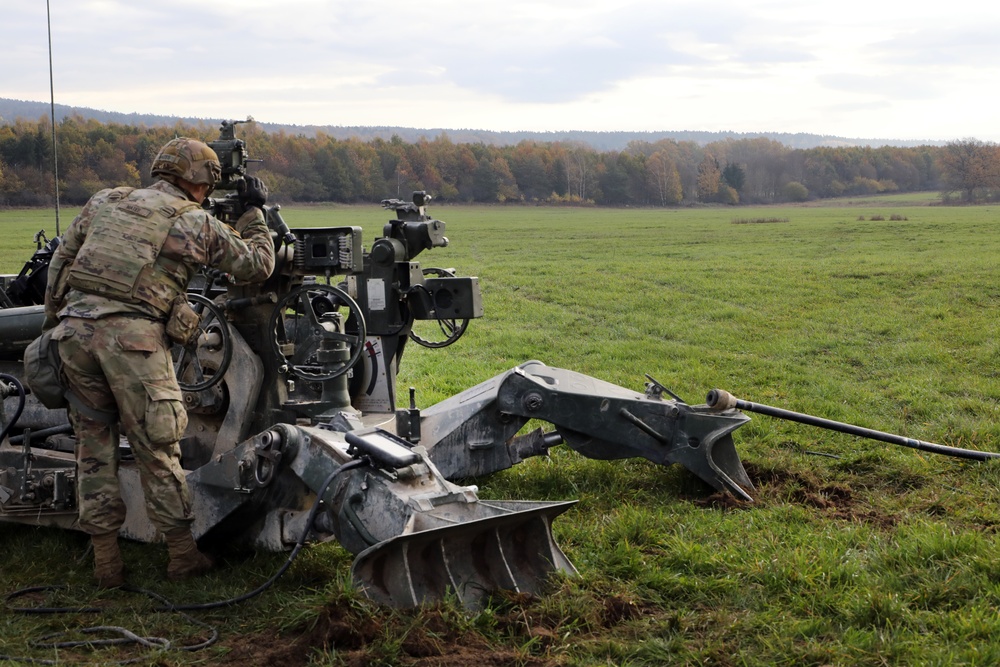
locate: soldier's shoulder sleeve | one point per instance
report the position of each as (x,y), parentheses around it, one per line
(190,237)
(248,259)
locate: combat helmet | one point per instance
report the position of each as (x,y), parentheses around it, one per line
(190,159)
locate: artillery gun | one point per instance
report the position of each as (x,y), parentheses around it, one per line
(293,406)
(296,427)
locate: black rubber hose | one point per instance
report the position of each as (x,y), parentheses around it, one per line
(41,434)
(20,403)
(350,465)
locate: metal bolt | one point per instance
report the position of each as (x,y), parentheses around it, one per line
(533,402)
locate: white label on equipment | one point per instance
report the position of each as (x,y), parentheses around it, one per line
(376,294)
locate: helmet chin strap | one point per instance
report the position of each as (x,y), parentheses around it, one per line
(198,192)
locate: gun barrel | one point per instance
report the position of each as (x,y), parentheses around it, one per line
(719,399)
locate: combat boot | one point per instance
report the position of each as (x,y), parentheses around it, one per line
(185,559)
(109,570)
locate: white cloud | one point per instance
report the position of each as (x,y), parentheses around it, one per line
(856,68)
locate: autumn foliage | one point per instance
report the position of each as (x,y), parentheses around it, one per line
(93,155)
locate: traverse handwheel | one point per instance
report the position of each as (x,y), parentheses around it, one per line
(305,331)
(204,360)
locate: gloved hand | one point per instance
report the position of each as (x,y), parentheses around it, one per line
(252,192)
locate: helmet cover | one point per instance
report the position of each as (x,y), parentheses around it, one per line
(190,159)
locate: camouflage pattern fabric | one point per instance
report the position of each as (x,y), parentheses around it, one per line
(196,239)
(124,362)
(124,239)
(116,355)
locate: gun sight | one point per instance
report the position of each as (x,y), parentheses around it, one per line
(232,154)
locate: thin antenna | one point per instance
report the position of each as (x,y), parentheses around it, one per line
(52,107)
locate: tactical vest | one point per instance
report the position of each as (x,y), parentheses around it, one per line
(120,257)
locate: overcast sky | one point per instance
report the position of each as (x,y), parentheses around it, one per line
(861,69)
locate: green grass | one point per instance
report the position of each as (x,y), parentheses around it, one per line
(872,555)
(895,199)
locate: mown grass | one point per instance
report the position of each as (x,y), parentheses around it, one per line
(868,555)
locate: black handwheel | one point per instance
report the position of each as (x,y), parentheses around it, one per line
(298,333)
(203,362)
(452,330)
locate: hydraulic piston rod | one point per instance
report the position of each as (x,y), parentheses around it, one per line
(719,399)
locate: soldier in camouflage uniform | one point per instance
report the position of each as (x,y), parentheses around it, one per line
(119,274)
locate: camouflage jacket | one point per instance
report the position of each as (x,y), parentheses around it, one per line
(195,239)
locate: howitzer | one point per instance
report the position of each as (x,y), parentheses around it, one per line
(292,401)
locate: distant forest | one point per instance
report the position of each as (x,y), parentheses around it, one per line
(11,110)
(317,167)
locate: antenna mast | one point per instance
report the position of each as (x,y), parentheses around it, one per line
(52,107)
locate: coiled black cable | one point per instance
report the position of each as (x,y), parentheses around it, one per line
(167,606)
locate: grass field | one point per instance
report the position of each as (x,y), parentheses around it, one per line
(853,553)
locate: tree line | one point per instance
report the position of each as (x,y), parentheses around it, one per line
(93,155)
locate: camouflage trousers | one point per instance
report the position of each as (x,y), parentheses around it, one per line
(123,363)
